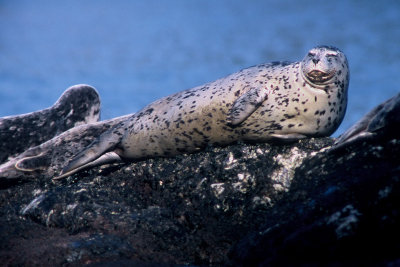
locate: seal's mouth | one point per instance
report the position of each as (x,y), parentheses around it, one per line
(317,76)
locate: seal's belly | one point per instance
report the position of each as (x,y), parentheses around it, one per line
(185,122)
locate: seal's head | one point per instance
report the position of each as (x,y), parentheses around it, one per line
(322,64)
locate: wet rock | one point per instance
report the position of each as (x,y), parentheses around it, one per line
(187,209)
(380,122)
(342,209)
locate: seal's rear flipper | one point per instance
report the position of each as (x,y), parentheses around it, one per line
(107,158)
(105,143)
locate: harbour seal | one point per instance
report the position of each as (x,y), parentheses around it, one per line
(273,101)
(47,159)
(79,104)
(382,121)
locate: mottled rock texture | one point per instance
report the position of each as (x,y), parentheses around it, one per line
(186,209)
(342,209)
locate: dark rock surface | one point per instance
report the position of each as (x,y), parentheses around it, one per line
(242,205)
(342,209)
(187,209)
(381,121)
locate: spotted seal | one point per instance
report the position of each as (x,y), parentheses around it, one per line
(79,104)
(273,101)
(47,159)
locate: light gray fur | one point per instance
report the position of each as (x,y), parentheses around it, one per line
(49,158)
(273,101)
(79,104)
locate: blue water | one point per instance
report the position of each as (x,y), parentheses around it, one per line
(134,52)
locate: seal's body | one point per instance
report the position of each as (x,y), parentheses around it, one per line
(279,100)
(49,158)
(79,104)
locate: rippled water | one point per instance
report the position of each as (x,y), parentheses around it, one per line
(134,52)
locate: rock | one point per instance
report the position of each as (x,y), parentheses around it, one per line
(382,121)
(342,209)
(187,209)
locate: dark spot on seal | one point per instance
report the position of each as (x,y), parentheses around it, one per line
(287,116)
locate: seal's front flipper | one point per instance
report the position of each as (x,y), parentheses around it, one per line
(246,104)
(107,158)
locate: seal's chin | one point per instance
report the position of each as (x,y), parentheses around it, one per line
(318,77)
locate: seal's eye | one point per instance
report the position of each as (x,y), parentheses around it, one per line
(331,57)
(311,54)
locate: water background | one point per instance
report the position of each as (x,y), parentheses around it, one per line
(135,52)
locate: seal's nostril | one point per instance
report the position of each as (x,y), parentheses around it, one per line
(315,60)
